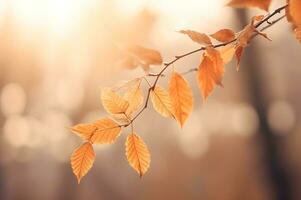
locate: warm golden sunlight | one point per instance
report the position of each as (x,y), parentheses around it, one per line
(150,99)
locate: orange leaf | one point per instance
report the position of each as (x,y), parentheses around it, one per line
(112,102)
(82,160)
(106,131)
(224,35)
(238,52)
(197,37)
(262,4)
(162,102)
(210,72)
(294,16)
(85,131)
(182,98)
(135,98)
(137,154)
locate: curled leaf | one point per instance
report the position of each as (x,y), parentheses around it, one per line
(137,154)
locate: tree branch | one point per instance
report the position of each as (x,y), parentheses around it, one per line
(166,65)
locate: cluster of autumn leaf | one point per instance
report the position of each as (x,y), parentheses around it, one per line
(124,103)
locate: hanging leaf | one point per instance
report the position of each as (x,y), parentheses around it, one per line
(210,72)
(197,37)
(224,35)
(182,98)
(227,53)
(137,154)
(112,102)
(262,4)
(162,102)
(82,160)
(238,52)
(135,98)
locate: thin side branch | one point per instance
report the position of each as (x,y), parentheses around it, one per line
(166,65)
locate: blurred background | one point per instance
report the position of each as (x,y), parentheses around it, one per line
(244,143)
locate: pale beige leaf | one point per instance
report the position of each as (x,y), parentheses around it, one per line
(262,4)
(82,160)
(106,131)
(145,55)
(182,98)
(137,153)
(135,98)
(112,102)
(197,37)
(162,102)
(227,53)
(224,35)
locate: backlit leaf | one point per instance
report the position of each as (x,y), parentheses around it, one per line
(137,153)
(146,55)
(182,98)
(82,160)
(85,131)
(135,98)
(197,37)
(224,35)
(210,72)
(112,102)
(262,4)
(227,53)
(162,102)
(106,131)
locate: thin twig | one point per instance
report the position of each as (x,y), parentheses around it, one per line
(166,65)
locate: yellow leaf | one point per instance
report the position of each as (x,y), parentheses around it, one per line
(106,131)
(262,4)
(224,35)
(82,160)
(135,98)
(85,131)
(227,53)
(112,102)
(162,102)
(182,98)
(137,154)
(210,72)
(197,37)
